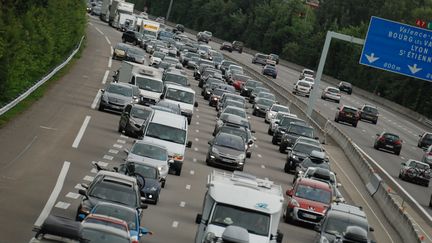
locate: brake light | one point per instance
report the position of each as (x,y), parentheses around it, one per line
(381,139)
(398,142)
(430,153)
(341,112)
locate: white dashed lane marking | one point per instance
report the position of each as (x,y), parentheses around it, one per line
(79,187)
(121,141)
(88,178)
(102,164)
(263,166)
(196,139)
(72,195)
(197,123)
(113,151)
(197,131)
(196,149)
(117,146)
(62,205)
(259,155)
(188,187)
(94,170)
(175,224)
(182,204)
(108,157)
(192,172)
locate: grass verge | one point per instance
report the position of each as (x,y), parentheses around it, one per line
(40,92)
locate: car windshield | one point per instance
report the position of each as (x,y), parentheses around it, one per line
(333,91)
(241,78)
(140,113)
(313,194)
(128,216)
(142,169)
(259,90)
(194,59)
(302,131)
(235,98)
(286,120)
(170,60)
(270,67)
(306,163)
(420,166)
(277,108)
(346,84)
(95,235)
(180,95)
(310,141)
(149,151)
(203,48)
(234,142)
(369,109)
(349,109)
(112,191)
(391,136)
(119,89)
(159,54)
(336,225)
(264,102)
(121,46)
(236,131)
(226,64)
(175,78)
(235,111)
(234,103)
(428,138)
(236,68)
(251,84)
(253,221)
(218,92)
(304,84)
(305,148)
(149,84)
(167,133)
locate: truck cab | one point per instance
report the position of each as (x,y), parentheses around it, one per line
(241,200)
(148,80)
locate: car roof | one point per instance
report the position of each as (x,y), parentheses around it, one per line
(314,183)
(114,176)
(121,84)
(169,119)
(115,205)
(350,107)
(179,87)
(347,209)
(151,144)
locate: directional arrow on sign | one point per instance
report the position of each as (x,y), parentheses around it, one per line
(371,58)
(414,68)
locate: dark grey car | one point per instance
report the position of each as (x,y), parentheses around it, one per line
(117,95)
(228,151)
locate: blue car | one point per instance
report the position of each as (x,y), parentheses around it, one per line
(269,70)
(130,215)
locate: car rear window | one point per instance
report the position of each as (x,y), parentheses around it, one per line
(391,136)
(349,109)
(372,110)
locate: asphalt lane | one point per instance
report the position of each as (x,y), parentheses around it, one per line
(36,145)
(365,133)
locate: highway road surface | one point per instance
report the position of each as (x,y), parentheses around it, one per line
(48,150)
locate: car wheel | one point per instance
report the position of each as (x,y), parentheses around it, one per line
(156,200)
(274,77)
(265,120)
(274,141)
(123,40)
(269,132)
(350,92)
(354,124)
(163,184)
(397,152)
(282,148)
(322,97)
(120,129)
(286,167)
(336,120)
(375,146)
(101,107)
(400,175)
(178,171)
(426,184)
(375,122)
(254,113)
(294,92)
(288,218)
(338,101)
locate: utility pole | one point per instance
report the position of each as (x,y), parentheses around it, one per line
(169,10)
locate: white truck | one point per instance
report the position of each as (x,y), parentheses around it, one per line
(104,16)
(240,200)
(124,21)
(148,80)
(150,28)
(117,7)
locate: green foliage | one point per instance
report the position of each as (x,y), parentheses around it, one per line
(297,32)
(36,35)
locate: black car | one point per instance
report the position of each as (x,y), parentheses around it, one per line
(294,131)
(249,86)
(210,85)
(109,187)
(135,54)
(318,160)
(228,151)
(255,93)
(269,70)
(133,118)
(225,64)
(345,87)
(216,95)
(226,46)
(238,46)
(339,220)
(243,132)
(261,106)
(133,37)
(150,172)
(179,28)
(425,140)
(274,57)
(209,72)
(369,113)
(388,141)
(117,95)
(282,126)
(231,119)
(298,153)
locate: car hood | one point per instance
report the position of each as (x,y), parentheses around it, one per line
(185,107)
(228,152)
(137,121)
(218,231)
(149,184)
(156,162)
(300,155)
(312,205)
(150,94)
(118,99)
(173,148)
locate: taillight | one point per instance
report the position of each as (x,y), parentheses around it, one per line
(341,112)
(398,142)
(381,139)
(430,153)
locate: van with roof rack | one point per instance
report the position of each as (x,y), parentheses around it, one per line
(242,200)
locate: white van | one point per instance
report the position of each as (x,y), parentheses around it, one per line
(170,131)
(148,80)
(183,96)
(242,200)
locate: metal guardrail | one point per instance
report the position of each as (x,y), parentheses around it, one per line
(24,95)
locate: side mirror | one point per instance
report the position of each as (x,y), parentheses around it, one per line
(317,228)
(403,164)
(377,134)
(198,218)
(210,142)
(316,138)
(161,96)
(189,144)
(170,161)
(116,169)
(289,149)
(102,90)
(251,141)
(248,154)
(276,122)
(289,192)
(371,229)
(420,135)
(82,192)
(253,131)
(126,151)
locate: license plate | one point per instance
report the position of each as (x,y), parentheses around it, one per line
(115,106)
(309,216)
(389,146)
(349,115)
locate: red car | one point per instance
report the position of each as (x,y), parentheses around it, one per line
(238,80)
(347,114)
(308,201)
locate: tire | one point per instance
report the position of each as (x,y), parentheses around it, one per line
(397,152)
(286,167)
(274,141)
(269,132)
(254,113)
(336,120)
(123,40)
(338,101)
(426,184)
(267,122)
(375,146)
(322,97)
(163,184)
(101,107)
(282,148)
(119,129)
(288,218)
(178,171)
(156,200)
(375,122)
(354,124)
(400,175)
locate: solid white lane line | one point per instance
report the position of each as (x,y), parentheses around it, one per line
(88,178)
(121,141)
(113,151)
(54,194)
(98,30)
(105,77)
(182,204)
(106,38)
(109,62)
(96,100)
(117,146)
(62,205)
(81,132)
(175,224)
(188,187)
(73,195)
(108,157)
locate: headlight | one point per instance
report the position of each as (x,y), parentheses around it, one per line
(208,92)
(209,237)
(245,89)
(282,131)
(293,203)
(153,189)
(215,150)
(257,107)
(214,98)
(241,156)
(295,157)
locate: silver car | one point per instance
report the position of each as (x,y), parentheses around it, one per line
(275,120)
(117,95)
(274,109)
(331,93)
